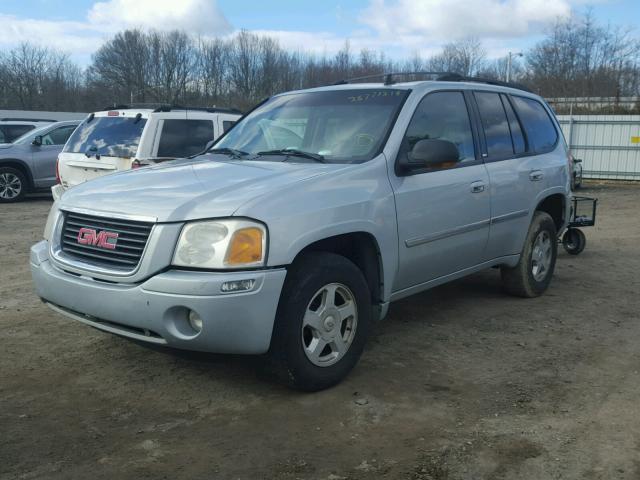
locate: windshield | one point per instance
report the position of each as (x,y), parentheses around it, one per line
(342,126)
(31,134)
(107,136)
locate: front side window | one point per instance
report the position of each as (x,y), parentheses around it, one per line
(58,136)
(442,116)
(227,124)
(495,125)
(343,126)
(182,138)
(538,126)
(107,136)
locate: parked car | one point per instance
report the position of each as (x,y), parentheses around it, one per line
(114,140)
(29,163)
(13,128)
(576,178)
(295,232)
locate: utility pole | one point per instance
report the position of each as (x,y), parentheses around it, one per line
(510,61)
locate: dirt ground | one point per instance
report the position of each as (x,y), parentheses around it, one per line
(461,382)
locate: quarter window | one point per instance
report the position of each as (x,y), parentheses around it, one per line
(538,126)
(495,125)
(443,116)
(182,138)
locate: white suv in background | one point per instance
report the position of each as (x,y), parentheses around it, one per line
(114,140)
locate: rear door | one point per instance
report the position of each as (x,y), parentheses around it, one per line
(512,173)
(44,156)
(443,213)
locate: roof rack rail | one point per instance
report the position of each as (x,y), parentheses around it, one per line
(388,77)
(166,107)
(456,77)
(16,119)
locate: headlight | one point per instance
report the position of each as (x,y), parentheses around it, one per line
(51,221)
(221,244)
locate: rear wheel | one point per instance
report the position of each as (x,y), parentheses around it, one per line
(532,275)
(322,324)
(13,185)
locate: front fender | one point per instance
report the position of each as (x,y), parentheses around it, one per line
(355,199)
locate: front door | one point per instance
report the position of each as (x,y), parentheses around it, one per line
(45,155)
(444,212)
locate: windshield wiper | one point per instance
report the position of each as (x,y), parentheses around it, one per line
(228,151)
(232,152)
(293,152)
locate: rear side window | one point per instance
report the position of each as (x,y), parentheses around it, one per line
(495,125)
(11,132)
(182,138)
(519,145)
(107,136)
(538,126)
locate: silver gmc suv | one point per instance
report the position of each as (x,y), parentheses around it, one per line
(319,208)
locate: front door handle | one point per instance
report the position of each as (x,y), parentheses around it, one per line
(535,175)
(477,187)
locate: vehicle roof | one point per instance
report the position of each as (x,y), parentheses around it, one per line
(145,111)
(422,86)
(25,122)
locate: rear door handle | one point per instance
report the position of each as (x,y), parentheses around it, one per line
(477,187)
(535,175)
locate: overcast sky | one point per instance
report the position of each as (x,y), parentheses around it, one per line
(397,27)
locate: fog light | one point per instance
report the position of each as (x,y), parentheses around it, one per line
(238,285)
(195,321)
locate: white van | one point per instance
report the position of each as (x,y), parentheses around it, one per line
(114,140)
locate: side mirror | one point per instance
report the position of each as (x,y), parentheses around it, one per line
(37,141)
(430,153)
(577,160)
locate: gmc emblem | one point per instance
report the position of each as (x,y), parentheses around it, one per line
(102,239)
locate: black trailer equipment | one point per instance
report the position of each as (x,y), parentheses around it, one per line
(583,214)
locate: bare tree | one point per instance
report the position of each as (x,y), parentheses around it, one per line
(465,57)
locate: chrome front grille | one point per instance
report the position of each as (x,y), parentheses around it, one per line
(92,239)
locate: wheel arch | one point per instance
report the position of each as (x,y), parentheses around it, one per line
(362,249)
(555,204)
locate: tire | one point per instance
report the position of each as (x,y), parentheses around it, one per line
(13,185)
(532,275)
(574,241)
(307,318)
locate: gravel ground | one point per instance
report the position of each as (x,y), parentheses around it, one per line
(461,382)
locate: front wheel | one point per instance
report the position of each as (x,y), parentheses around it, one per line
(532,275)
(13,185)
(322,324)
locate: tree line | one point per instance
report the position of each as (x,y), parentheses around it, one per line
(577,58)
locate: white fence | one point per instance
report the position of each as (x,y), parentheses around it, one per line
(609,145)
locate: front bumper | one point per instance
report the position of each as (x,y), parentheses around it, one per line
(156,310)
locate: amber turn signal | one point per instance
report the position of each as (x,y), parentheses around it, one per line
(245,247)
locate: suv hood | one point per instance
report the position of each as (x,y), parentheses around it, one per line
(188,190)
